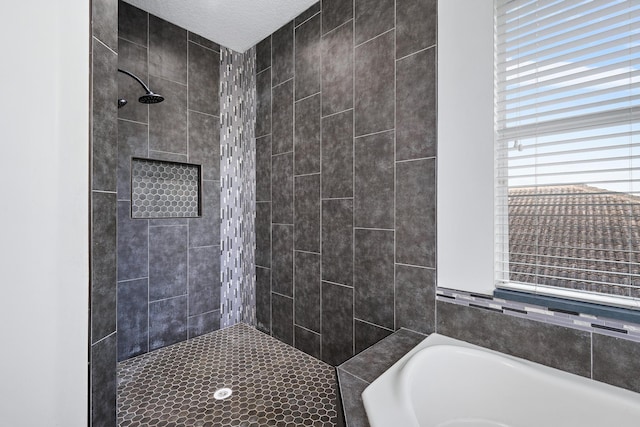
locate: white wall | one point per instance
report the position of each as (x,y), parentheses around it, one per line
(465,145)
(44,128)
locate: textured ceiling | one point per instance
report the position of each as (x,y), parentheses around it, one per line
(237,24)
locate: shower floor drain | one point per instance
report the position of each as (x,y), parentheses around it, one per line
(223,393)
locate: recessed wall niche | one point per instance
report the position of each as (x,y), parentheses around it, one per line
(162,189)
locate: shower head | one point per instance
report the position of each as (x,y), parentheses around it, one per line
(149,97)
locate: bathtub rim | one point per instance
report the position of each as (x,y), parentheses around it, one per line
(388,379)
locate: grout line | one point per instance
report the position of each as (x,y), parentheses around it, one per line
(416,52)
(337,284)
(353,180)
(338,198)
(416,266)
(279,154)
(306,252)
(320,308)
(373,229)
(373,38)
(188,159)
(281,83)
(271,189)
(282,295)
(104,338)
(105,45)
(415,160)
(339,26)
(263,70)
(334,114)
(373,324)
(133,121)
(354,375)
(307,20)
(104,191)
(306,329)
(166,225)
(191,110)
(133,280)
(381,131)
(279,223)
(168,152)
(201,45)
(395,175)
(307,97)
(306,174)
(148,222)
(166,79)
(170,298)
(293,184)
(132,42)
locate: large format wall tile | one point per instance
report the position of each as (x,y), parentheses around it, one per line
(373,17)
(374,181)
(104,126)
(263,234)
(167,322)
(263,55)
(204,280)
(307,135)
(204,144)
(416,213)
(205,231)
(337,70)
(337,323)
(310,12)
(133,318)
(282,54)
(307,213)
(133,58)
(282,122)
(337,241)
(132,23)
(307,290)
(167,262)
(415,298)
(263,299)
(167,51)
(263,169)
(168,119)
(132,242)
(263,103)
(556,346)
(104,21)
(193,37)
(307,58)
(133,141)
(204,77)
(203,323)
(103,381)
(337,155)
(373,279)
(282,315)
(374,86)
(282,188)
(417,25)
(367,334)
(416,106)
(334,13)
(103,265)
(615,361)
(282,261)
(307,341)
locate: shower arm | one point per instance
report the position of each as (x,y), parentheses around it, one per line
(137,79)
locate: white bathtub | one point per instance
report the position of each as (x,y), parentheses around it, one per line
(445,382)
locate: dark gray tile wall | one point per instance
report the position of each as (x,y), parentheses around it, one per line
(103,214)
(328,221)
(168,269)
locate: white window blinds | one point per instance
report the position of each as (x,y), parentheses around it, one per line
(568,146)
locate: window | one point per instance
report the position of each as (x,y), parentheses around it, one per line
(567,84)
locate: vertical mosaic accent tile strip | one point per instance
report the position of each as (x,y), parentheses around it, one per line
(238,184)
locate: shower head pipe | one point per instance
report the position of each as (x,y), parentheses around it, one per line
(150,97)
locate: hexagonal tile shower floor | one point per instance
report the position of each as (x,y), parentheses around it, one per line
(272,384)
